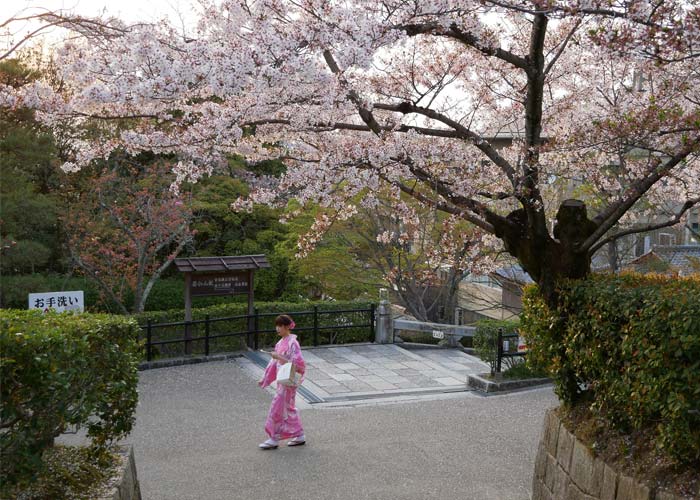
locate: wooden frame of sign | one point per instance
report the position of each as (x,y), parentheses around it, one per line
(230,275)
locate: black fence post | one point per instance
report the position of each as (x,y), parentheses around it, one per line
(206,335)
(315,326)
(149,333)
(256,326)
(499,350)
(372,315)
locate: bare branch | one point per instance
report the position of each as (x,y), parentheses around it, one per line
(614,212)
(649,227)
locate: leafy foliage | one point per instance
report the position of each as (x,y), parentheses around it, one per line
(632,343)
(29,236)
(127,228)
(60,370)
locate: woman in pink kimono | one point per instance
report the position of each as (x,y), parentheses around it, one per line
(283,420)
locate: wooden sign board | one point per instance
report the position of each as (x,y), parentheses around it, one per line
(228,283)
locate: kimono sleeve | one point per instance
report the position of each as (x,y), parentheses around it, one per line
(270,374)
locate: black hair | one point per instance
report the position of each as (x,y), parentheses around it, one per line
(283,320)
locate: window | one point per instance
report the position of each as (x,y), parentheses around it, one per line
(667,239)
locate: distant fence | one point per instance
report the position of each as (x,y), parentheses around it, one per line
(204,336)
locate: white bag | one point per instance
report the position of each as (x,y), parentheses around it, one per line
(287,375)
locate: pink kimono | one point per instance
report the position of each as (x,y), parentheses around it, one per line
(283,420)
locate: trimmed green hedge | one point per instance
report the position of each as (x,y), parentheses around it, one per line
(631,343)
(327,320)
(59,370)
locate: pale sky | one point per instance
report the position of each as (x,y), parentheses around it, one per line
(128,10)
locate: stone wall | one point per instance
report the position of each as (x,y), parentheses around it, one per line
(566,470)
(126,485)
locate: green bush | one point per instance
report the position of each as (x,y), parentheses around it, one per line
(334,328)
(523,369)
(632,343)
(485,337)
(59,370)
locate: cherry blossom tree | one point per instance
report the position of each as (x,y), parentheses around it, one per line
(423,260)
(126,229)
(474,108)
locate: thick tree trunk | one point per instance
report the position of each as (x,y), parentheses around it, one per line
(549,260)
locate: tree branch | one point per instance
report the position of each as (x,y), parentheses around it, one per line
(465,38)
(354,97)
(614,212)
(158,272)
(462,132)
(650,227)
(562,48)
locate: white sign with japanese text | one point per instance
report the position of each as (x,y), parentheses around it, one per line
(58,301)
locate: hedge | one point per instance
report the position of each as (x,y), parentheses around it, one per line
(631,343)
(61,370)
(304,324)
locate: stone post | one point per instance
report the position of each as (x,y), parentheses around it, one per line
(384,333)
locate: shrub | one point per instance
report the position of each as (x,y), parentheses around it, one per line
(632,343)
(59,370)
(485,340)
(524,369)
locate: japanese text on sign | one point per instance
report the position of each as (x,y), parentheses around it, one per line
(219,284)
(58,301)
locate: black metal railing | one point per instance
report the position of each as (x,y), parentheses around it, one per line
(501,353)
(314,327)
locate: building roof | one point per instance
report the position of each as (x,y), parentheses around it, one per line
(683,259)
(514,273)
(219,264)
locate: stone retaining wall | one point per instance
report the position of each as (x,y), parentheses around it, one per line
(566,470)
(126,484)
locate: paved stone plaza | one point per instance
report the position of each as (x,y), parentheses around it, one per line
(337,373)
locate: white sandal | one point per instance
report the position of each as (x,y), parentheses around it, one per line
(270,444)
(297,441)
